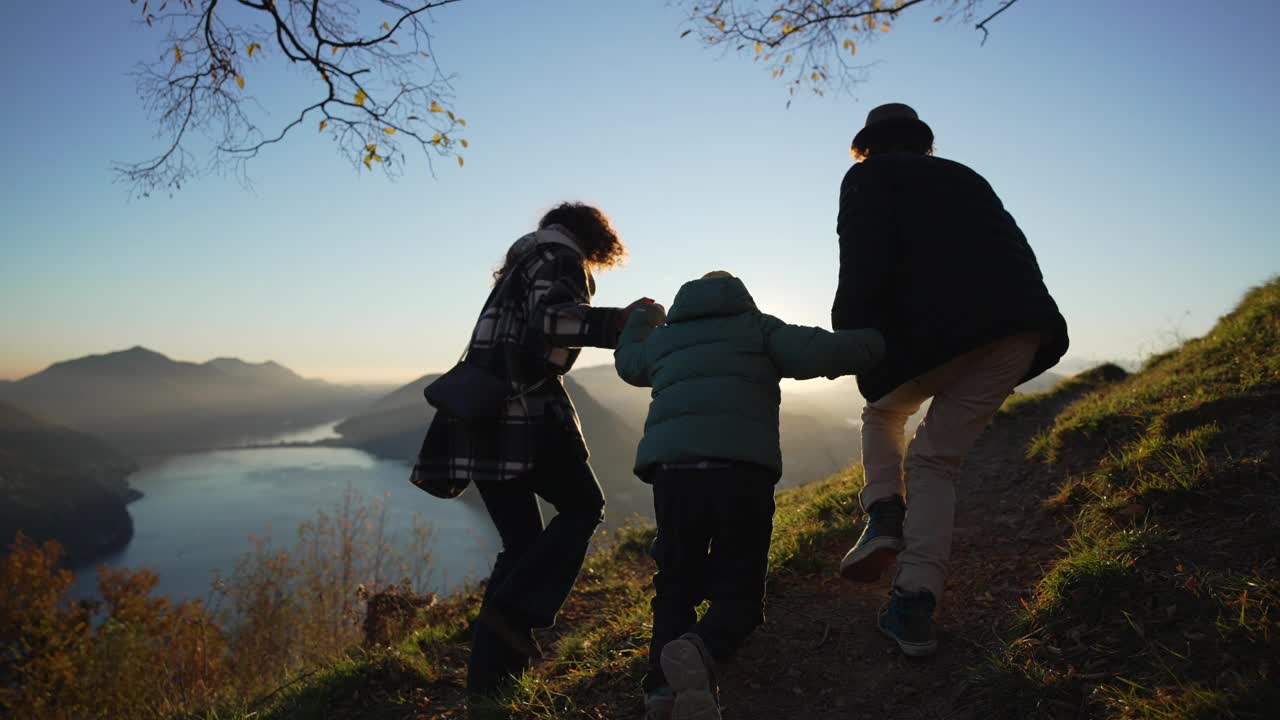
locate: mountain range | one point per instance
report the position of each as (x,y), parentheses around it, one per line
(144,402)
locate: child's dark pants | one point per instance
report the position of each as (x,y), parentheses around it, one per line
(714,526)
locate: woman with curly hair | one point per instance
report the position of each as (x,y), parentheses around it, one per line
(531,331)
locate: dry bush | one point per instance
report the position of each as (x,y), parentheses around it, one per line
(281,613)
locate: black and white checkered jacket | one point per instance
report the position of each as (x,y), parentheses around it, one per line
(542,316)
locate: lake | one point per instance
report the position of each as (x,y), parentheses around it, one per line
(199,510)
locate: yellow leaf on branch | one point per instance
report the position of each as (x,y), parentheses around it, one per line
(371,148)
(386,26)
(361,96)
(462,122)
(253,47)
(435,107)
(389,131)
(459,161)
(436,139)
(465,143)
(323,123)
(177,55)
(240,81)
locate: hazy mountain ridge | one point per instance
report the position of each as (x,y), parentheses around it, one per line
(145,402)
(393,427)
(56,483)
(817,437)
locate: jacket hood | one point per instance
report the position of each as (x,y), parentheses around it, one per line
(710,297)
(550,235)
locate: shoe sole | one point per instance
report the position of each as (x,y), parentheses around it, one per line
(695,705)
(661,710)
(911,649)
(686,673)
(869,562)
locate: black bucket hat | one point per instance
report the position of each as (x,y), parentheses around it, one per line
(891,116)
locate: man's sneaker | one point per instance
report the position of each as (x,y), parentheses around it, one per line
(690,672)
(518,637)
(908,619)
(659,704)
(877,550)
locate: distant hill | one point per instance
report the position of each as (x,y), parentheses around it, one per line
(393,427)
(58,484)
(145,402)
(817,438)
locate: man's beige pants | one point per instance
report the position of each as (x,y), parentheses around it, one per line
(966,392)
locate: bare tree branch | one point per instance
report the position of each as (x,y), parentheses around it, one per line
(810,44)
(983,25)
(379,91)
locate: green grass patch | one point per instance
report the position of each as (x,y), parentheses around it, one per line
(1165,602)
(596,655)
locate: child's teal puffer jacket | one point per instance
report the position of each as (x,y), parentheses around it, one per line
(714,369)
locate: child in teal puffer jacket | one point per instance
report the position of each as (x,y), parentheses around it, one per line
(711,452)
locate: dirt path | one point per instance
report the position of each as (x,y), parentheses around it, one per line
(820,655)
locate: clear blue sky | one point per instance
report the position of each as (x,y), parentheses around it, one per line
(1134,141)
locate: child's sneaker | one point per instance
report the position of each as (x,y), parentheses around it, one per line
(689,669)
(908,619)
(659,703)
(877,550)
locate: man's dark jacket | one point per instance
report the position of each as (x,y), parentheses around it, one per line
(930,258)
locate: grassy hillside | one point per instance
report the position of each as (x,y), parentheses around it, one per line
(598,648)
(1130,571)
(1165,601)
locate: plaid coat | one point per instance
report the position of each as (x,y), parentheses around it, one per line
(540,316)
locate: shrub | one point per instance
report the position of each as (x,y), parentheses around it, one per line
(135,655)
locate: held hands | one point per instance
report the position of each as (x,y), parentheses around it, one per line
(657,314)
(655,311)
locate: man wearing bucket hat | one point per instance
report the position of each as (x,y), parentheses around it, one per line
(930,257)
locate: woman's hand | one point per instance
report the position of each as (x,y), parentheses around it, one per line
(626,312)
(657,313)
